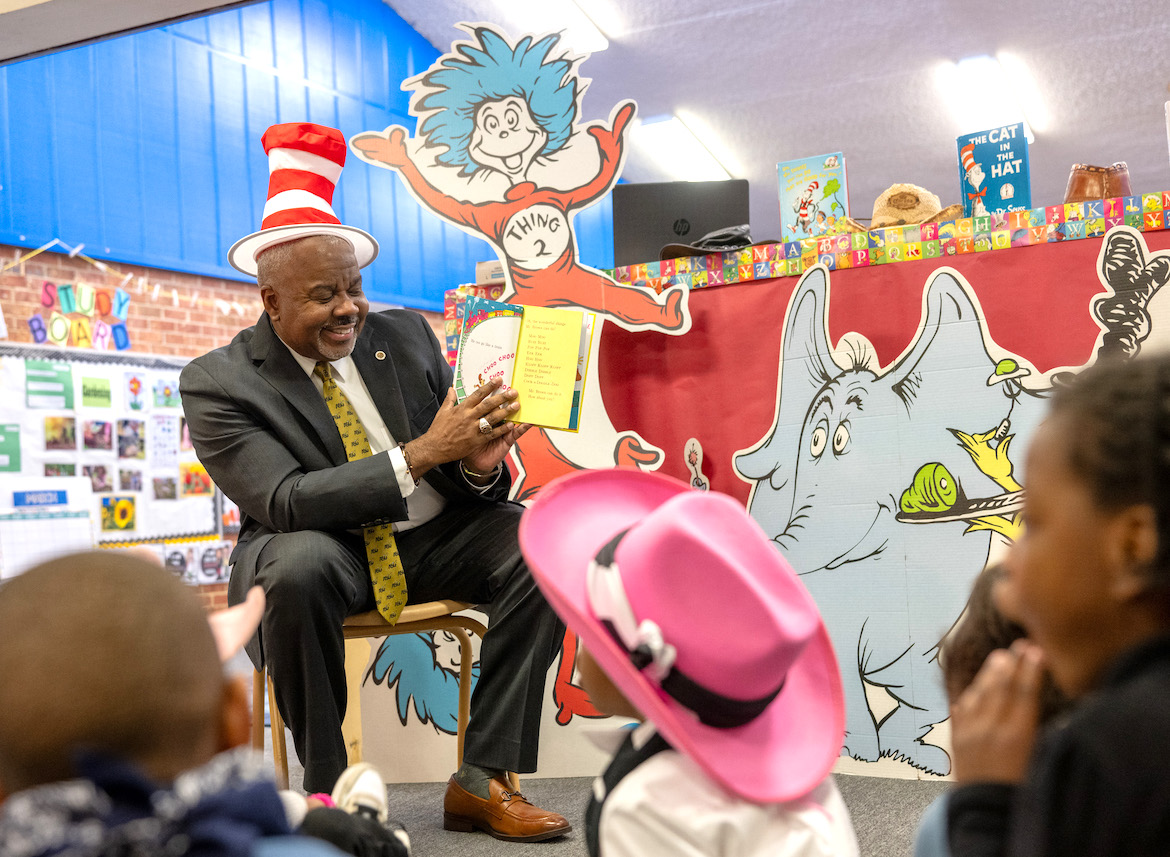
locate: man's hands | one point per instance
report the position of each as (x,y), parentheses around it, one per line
(455,433)
(994,721)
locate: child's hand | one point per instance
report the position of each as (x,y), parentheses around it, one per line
(994,721)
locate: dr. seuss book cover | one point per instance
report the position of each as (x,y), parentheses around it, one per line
(993,171)
(814,196)
(541,352)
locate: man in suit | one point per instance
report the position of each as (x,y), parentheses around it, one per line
(260,423)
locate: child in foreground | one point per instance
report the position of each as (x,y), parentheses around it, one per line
(117,725)
(691,621)
(982,630)
(1089,581)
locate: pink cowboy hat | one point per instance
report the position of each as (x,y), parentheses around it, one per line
(304,165)
(700,622)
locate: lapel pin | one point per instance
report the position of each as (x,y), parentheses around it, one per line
(381,355)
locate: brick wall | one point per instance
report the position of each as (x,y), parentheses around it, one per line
(170,314)
(214,596)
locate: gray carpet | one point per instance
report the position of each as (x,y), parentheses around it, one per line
(885,813)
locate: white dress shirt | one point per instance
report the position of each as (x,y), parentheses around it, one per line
(422,501)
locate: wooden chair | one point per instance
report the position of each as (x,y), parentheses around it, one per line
(415,618)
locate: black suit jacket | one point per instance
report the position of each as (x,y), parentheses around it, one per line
(265,435)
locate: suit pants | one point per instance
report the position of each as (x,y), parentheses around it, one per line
(313,580)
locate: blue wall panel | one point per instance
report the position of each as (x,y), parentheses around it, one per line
(118,141)
(147,148)
(31,192)
(77,127)
(593,227)
(5,157)
(195,131)
(160,181)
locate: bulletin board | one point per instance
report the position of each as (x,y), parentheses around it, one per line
(115,420)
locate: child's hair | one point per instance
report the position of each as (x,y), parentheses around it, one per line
(109,653)
(981,631)
(1117,416)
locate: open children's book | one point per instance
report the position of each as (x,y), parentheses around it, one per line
(541,352)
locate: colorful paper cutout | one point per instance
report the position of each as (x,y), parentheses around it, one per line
(165,488)
(194,480)
(118,513)
(131,439)
(96,393)
(134,386)
(129,480)
(99,477)
(166,393)
(61,433)
(97,434)
(10,448)
(48,385)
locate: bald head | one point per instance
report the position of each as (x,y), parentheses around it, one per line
(107,652)
(281,262)
(312,292)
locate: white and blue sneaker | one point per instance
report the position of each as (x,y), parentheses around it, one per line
(360,790)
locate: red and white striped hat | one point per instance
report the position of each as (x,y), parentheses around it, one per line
(304,164)
(967,155)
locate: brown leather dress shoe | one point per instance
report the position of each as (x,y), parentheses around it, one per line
(505,814)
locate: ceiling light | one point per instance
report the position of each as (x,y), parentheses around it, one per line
(984,92)
(580,34)
(676,150)
(1027,92)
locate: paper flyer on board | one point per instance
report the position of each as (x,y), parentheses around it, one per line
(541,352)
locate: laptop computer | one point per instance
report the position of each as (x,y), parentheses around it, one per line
(650,215)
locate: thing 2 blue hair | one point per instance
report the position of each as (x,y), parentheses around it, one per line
(406,662)
(492,71)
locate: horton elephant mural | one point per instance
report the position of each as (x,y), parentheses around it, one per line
(886,487)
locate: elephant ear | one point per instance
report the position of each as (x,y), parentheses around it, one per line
(949,345)
(806,364)
(805,355)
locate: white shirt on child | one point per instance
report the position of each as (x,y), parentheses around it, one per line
(668,805)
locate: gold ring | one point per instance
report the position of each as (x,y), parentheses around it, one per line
(484,426)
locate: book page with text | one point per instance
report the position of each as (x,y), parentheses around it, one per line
(546,369)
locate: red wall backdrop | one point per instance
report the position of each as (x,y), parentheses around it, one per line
(718,382)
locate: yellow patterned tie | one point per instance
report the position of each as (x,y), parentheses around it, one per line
(381,550)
